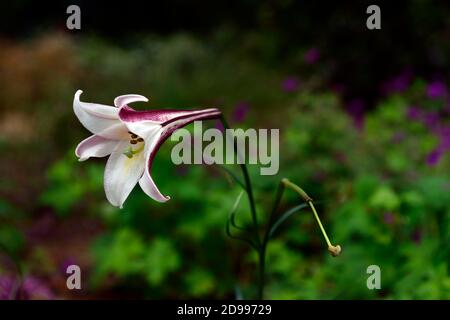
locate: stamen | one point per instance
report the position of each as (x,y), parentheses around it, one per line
(140,140)
(133,141)
(134,136)
(334,250)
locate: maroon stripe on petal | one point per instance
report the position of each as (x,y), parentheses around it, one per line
(163,116)
(186,115)
(174,125)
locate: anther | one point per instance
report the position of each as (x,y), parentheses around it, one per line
(133,141)
(134,136)
(335,250)
(140,140)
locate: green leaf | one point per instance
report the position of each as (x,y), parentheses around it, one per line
(230,222)
(286,215)
(120,253)
(11,239)
(384,198)
(200,282)
(161,259)
(232,216)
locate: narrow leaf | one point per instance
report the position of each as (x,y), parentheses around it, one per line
(231,222)
(286,215)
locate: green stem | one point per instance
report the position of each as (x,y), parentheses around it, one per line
(297,189)
(260,248)
(334,250)
(248,187)
(276,204)
(262,251)
(262,269)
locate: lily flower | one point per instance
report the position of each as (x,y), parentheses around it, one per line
(131,139)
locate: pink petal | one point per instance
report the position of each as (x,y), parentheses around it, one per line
(169,128)
(174,124)
(164,117)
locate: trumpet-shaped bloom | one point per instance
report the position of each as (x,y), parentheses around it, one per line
(131,139)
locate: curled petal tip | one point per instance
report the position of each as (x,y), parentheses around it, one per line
(163,199)
(123,100)
(77,95)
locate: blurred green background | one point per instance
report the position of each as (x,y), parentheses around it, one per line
(364,128)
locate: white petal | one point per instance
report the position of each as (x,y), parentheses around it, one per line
(121,101)
(100,119)
(122,173)
(145,129)
(150,188)
(95,146)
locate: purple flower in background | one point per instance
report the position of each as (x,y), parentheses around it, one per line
(398,83)
(414,113)
(356,106)
(219,126)
(434,157)
(444,134)
(398,137)
(388,218)
(7,288)
(447,108)
(359,121)
(42,225)
(66,263)
(431,119)
(356,109)
(290,84)
(417,236)
(312,56)
(339,88)
(436,89)
(241,110)
(31,288)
